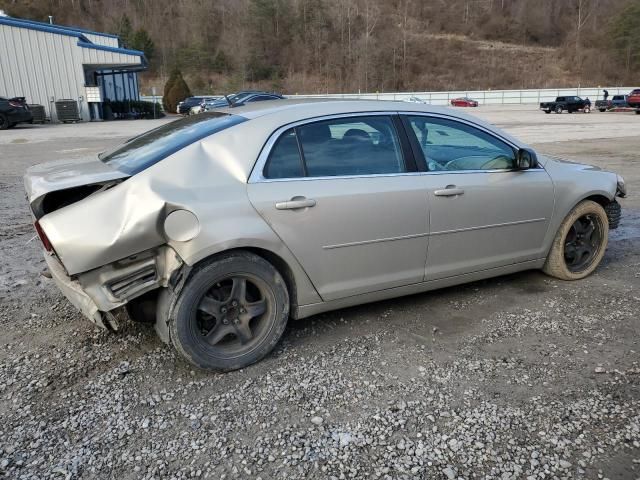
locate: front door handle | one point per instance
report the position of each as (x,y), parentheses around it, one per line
(449,191)
(295,203)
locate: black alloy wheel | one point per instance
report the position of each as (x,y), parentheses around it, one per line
(583,242)
(231,312)
(231,316)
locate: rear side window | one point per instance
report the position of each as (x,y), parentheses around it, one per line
(139,153)
(285,160)
(340,147)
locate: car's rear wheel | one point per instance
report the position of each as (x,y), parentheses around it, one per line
(547,110)
(231,312)
(580,242)
(4,122)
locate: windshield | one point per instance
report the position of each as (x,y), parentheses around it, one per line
(147,149)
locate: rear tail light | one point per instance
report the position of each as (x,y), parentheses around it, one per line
(43,238)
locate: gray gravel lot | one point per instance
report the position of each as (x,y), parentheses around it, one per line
(520,376)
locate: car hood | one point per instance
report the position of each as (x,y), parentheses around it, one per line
(64,174)
(566,164)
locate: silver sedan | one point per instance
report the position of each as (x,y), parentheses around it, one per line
(220,227)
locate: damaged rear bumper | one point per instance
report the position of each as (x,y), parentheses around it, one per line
(99,291)
(73,291)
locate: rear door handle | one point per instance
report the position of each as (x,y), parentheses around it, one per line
(295,203)
(449,191)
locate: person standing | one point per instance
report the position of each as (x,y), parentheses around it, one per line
(606,94)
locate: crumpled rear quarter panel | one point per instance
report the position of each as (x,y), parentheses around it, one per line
(207,178)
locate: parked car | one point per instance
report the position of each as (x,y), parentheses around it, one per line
(184,107)
(246,217)
(14,111)
(415,100)
(464,102)
(570,104)
(201,107)
(241,98)
(616,101)
(633,100)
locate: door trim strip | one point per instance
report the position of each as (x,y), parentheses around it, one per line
(482,227)
(418,235)
(377,240)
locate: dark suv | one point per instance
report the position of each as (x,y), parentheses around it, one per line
(14,111)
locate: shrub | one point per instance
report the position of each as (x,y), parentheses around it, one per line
(132,109)
(178,92)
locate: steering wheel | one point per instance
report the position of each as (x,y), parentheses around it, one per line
(499,162)
(476,162)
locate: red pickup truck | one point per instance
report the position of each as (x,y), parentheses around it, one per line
(634,100)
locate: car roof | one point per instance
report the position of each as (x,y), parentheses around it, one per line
(283,112)
(300,109)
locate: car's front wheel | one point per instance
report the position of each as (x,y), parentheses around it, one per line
(231,312)
(580,242)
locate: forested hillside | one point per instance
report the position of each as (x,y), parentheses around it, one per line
(311,46)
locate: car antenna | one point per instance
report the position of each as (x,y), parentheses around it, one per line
(231,104)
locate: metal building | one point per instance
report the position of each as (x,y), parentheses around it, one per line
(47,63)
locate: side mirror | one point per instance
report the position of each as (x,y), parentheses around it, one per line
(525,159)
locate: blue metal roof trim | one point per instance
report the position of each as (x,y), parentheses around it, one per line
(64,27)
(110,49)
(42,28)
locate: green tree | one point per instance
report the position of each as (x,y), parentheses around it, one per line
(177,93)
(625,36)
(124,30)
(140,40)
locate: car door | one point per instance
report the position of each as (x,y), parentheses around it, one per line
(483,213)
(342,195)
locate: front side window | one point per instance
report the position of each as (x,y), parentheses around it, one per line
(450,145)
(147,149)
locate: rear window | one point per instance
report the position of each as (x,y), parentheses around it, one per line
(139,153)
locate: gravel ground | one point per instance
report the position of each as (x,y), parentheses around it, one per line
(520,376)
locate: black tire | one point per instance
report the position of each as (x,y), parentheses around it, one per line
(558,109)
(4,122)
(11,125)
(212,324)
(602,109)
(575,253)
(547,111)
